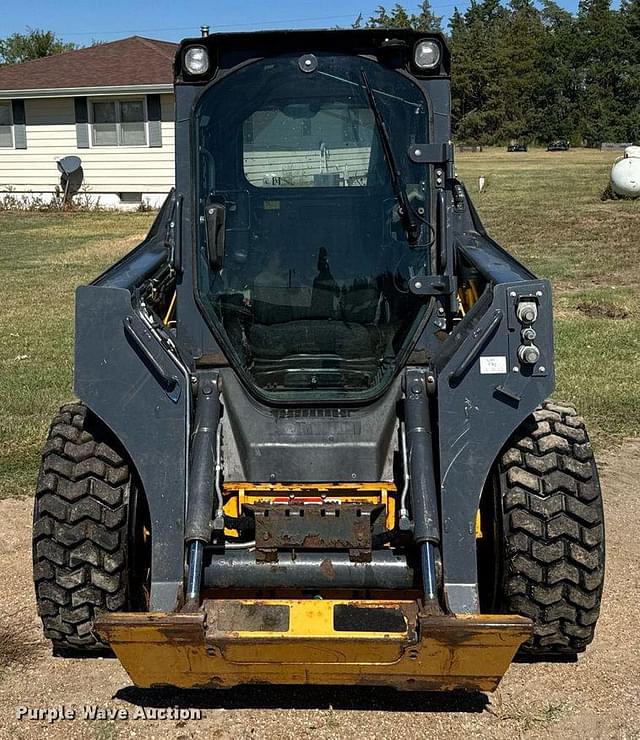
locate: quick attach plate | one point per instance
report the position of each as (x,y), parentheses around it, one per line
(327,526)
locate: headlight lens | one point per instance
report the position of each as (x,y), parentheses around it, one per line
(426,55)
(196,60)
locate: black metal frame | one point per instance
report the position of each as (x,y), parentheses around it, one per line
(140,379)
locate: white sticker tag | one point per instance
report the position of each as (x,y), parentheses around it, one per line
(493,365)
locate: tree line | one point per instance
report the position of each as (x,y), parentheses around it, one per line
(522,72)
(36,43)
(533,73)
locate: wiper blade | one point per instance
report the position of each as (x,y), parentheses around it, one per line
(411,227)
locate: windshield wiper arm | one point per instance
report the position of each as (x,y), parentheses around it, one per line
(411,227)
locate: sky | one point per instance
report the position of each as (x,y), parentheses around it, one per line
(106,20)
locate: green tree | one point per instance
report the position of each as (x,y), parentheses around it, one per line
(533,71)
(520,68)
(396,18)
(36,43)
(557,85)
(600,65)
(425,19)
(475,40)
(630,15)
(399,17)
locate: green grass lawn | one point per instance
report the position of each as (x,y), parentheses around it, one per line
(544,207)
(43,257)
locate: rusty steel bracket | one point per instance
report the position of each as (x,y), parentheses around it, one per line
(316,527)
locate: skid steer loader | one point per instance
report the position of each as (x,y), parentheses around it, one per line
(313,443)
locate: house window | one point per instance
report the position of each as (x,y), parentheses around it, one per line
(119,123)
(6,128)
(129,198)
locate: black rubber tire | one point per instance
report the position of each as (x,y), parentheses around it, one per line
(552,545)
(81,530)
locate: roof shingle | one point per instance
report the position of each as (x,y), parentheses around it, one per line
(131,61)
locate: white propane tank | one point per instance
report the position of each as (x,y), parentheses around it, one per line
(625,173)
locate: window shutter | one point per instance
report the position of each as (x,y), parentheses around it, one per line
(19,124)
(155,120)
(82,122)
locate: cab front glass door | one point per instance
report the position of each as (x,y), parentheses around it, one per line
(304,262)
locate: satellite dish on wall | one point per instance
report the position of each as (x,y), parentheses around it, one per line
(71,177)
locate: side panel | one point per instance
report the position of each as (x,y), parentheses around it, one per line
(113,378)
(478,409)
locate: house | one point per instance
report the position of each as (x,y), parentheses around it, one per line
(111,104)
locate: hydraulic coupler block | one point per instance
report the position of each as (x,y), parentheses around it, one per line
(527,312)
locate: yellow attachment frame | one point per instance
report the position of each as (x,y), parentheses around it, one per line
(239,495)
(299,641)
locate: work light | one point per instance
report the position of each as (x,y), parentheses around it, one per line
(426,54)
(196,60)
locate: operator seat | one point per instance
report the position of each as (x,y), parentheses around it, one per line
(323,320)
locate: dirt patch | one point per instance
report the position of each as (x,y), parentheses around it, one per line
(595,697)
(14,649)
(603,310)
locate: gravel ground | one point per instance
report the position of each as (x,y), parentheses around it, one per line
(597,697)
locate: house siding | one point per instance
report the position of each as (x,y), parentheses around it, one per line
(51,134)
(149,170)
(349,162)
